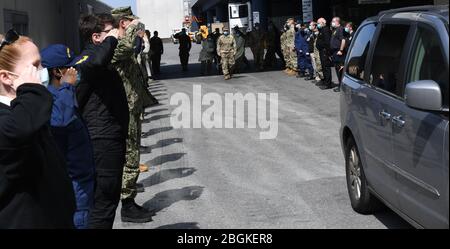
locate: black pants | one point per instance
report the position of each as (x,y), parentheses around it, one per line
(326,67)
(338,65)
(184,59)
(109,155)
(156,63)
(271,59)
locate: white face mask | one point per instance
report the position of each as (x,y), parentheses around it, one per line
(45,78)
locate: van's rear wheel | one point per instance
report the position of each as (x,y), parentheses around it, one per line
(361,199)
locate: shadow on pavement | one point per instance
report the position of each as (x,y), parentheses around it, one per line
(156,111)
(156,131)
(160,144)
(165,199)
(181,226)
(156,118)
(174,71)
(160,160)
(167,175)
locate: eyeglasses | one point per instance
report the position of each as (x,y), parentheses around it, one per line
(10,37)
(106,31)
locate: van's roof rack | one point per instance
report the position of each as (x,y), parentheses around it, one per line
(426,8)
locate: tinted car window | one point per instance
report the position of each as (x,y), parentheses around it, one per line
(428,61)
(360,49)
(387,57)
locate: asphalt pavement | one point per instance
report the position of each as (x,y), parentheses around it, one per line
(229,178)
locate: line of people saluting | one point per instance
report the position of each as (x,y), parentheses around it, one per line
(305,50)
(70,152)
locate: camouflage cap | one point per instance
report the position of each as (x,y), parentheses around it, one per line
(123,12)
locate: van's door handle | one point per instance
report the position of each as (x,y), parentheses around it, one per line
(386,116)
(399,121)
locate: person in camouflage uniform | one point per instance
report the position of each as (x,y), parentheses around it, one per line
(284,48)
(124,61)
(226,49)
(256,39)
(291,61)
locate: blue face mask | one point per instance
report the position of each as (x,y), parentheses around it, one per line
(226,33)
(347,30)
(319,26)
(45,78)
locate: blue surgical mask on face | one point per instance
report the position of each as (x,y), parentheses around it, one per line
(319,25)
(226,33)
(347,30)
(45,78)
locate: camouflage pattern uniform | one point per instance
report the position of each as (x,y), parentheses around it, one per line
(284,48)
(125,62)
(291,61)
(226,49)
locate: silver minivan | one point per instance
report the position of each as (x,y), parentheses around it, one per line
(395,115)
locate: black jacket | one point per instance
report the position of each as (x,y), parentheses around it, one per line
(185,42)
(35,189)
(324,39)
(311,40)
(101,93)
(156,46)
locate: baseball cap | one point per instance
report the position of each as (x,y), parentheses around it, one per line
(123,12)
(58,55)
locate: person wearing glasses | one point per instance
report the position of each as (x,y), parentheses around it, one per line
(103,103)
(35,189)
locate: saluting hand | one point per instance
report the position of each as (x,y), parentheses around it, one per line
(70,76)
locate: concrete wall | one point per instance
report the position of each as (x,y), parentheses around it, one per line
(52,21)
(161,15)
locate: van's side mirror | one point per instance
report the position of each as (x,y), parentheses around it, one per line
(424,95)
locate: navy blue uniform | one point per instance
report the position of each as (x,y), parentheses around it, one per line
(303,57)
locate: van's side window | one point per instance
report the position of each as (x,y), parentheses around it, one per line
(387,56)
(428,61)
(358,54)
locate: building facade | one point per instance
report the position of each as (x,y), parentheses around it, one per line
(48,21)
(163,16)
(278,11)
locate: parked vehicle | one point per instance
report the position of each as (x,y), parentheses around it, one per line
(395,115)
(240,15)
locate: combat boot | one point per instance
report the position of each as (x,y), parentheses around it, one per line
(143,168)
(292,73)
(133,213)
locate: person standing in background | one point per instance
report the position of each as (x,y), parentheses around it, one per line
(226,49)
(206,55)
(185,48)
(290,48)
(315,53)
(157,50)
(323,45)
(256,40)
(337,45)
(240,57)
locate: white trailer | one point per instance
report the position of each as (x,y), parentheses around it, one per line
(240,14)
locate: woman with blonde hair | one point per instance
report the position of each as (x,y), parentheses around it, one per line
(35,190)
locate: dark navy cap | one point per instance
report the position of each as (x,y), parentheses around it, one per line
(57,56)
